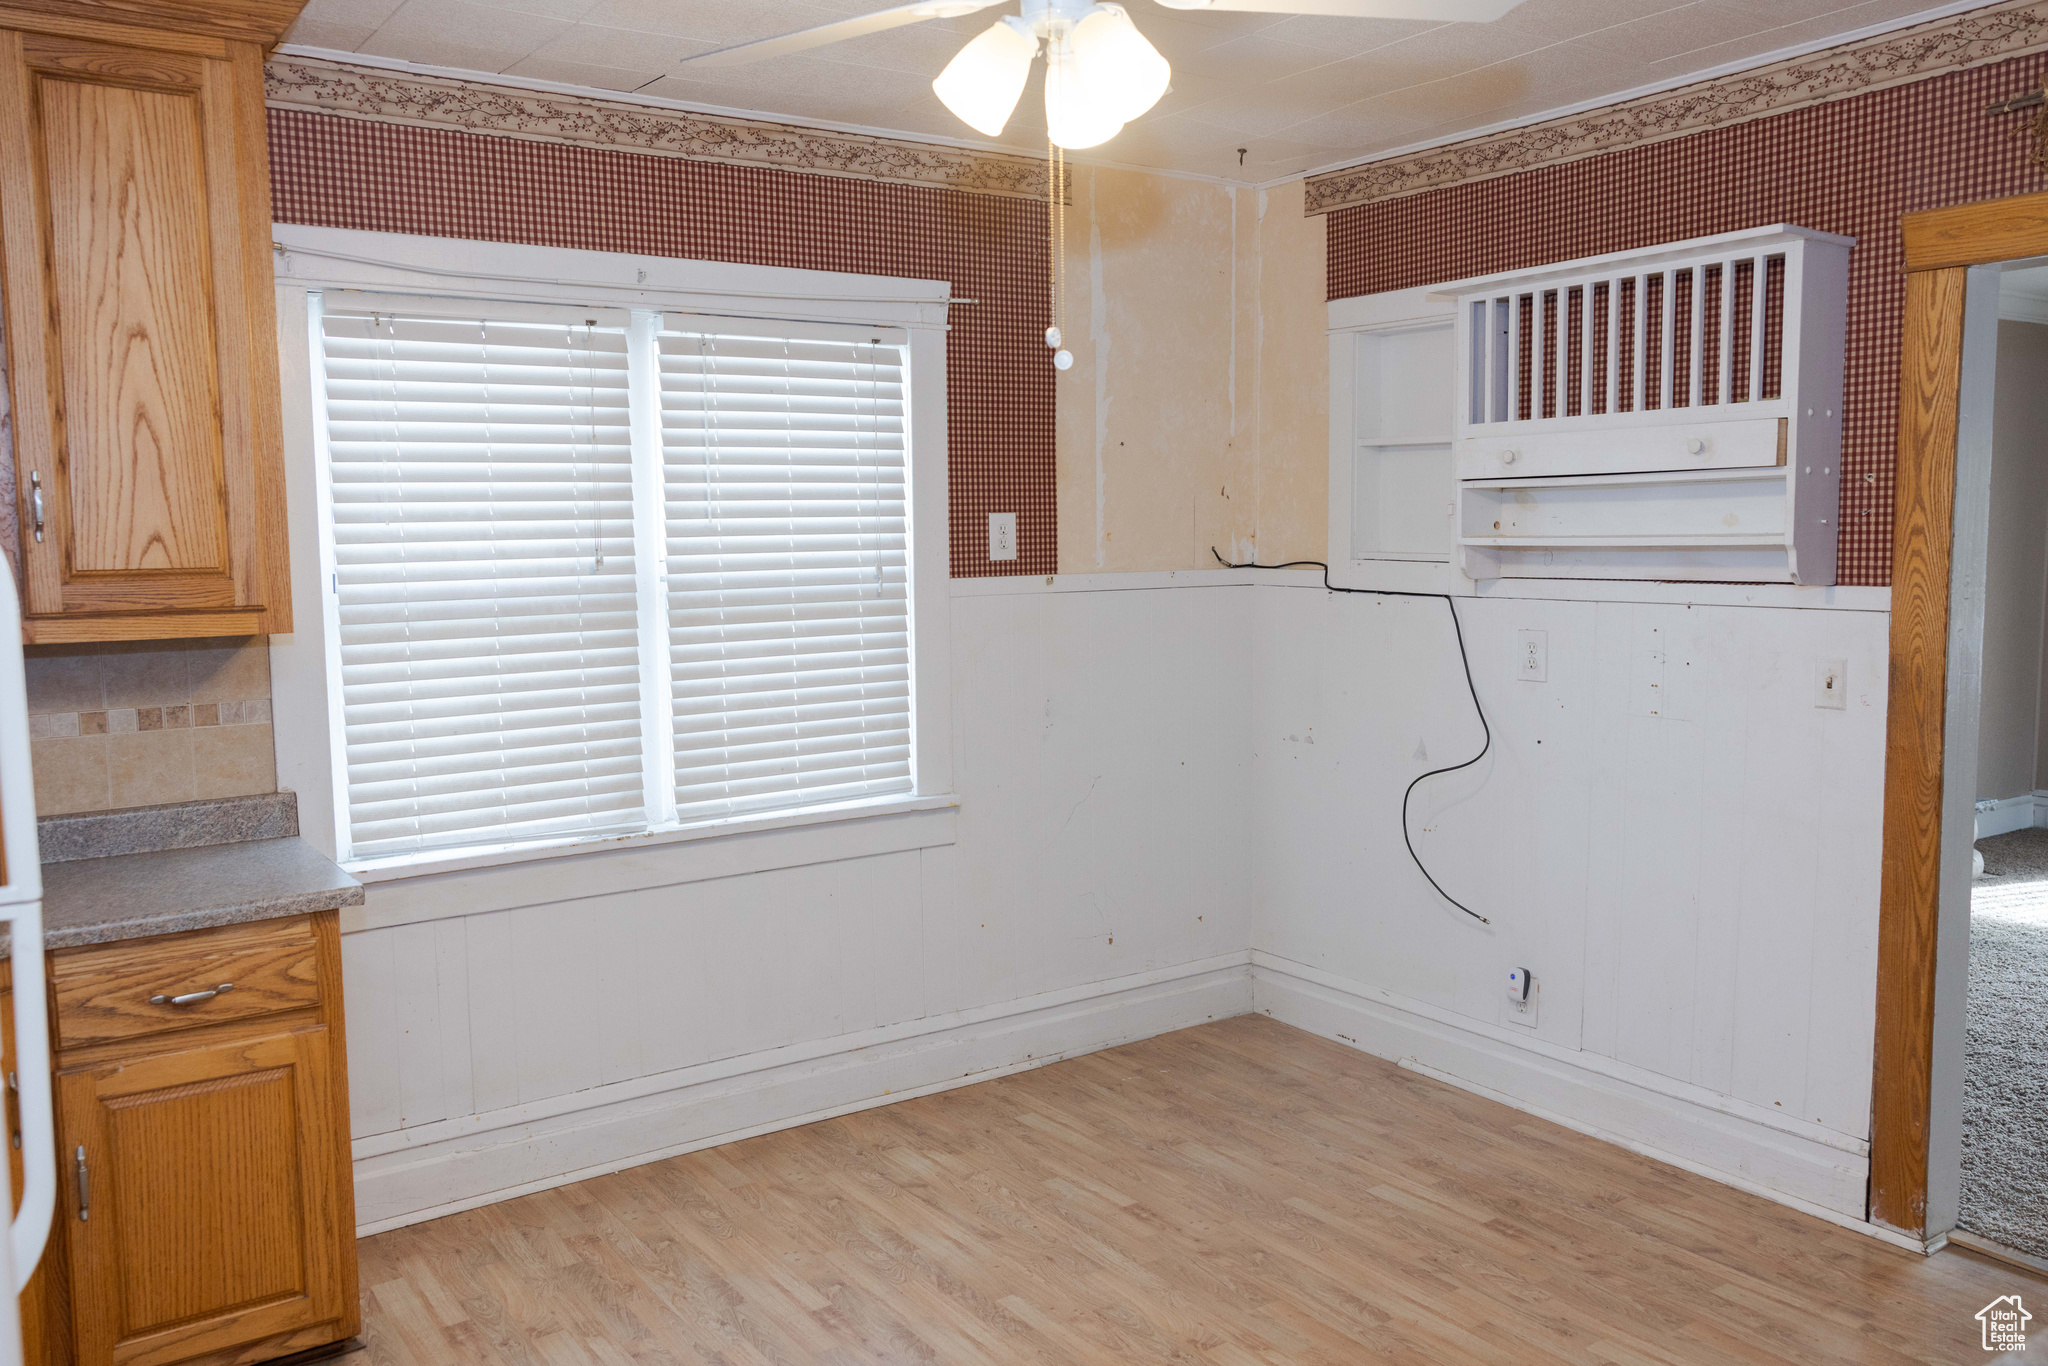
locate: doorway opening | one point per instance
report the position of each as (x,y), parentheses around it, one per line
(2003,1185)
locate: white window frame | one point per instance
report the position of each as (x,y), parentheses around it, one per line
(305,665)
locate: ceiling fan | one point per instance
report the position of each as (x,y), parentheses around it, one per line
(1100,71)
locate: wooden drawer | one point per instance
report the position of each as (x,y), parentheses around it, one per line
(105,992)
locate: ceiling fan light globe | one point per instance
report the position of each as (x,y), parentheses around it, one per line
(985,79)
(1076,114)
(1123,71)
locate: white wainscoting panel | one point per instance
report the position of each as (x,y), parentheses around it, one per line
(1670,836)
(1176,798)
(424,1172)
(1803,1164)
(516,1027)
(1101,747)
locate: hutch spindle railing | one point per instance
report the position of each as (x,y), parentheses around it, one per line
(1673,412)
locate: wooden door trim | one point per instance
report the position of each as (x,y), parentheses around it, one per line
(1940,245)
(1929,388)
(1976,234)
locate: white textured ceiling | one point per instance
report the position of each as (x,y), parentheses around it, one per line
(1297,92)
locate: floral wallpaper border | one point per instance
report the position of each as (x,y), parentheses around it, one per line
(1973,38)
(386,96)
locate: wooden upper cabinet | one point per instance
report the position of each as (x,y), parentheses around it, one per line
(141,336)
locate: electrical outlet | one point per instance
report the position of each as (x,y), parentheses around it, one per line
(1002,535)
(1534,656)
(1524,992)
(1831,684)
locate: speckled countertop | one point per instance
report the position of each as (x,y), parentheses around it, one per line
(228,863)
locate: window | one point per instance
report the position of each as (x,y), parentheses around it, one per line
(788,629)
(481,479)
(598,571)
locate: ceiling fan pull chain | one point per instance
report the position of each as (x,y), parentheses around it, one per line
(1052,245)
(1056,244)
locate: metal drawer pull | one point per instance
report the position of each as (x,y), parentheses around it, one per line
(35,501)
(84,1187)
(192,998)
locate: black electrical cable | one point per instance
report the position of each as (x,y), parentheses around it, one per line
(1463,658)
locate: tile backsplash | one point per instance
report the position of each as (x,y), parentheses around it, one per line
(139,723)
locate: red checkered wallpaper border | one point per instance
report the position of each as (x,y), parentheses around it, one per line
(333,171)
(1850,167)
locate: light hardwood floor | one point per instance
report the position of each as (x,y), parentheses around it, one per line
(1232,1194)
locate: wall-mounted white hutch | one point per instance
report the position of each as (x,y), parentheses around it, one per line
(1672,413)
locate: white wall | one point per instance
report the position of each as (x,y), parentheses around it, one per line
(2016,572)
(1179,799)
(2012,755)
(518,1027)
(1680,847)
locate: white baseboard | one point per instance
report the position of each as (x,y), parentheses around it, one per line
(437,1169)
(1820,1173)
(443,1168)
(2007,814)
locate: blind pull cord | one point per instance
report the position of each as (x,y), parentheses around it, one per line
(590,449)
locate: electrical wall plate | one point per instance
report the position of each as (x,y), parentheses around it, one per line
(1831,684)
(1524,991)
(1002,535)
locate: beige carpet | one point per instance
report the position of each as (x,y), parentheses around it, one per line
(2005,1104)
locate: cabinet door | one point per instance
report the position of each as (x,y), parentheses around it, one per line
(205,1214)
(143,353)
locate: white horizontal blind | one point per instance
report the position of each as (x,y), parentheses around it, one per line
(789,629)
(482,502)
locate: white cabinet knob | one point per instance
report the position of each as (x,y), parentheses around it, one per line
(1508,457)
(1695,446)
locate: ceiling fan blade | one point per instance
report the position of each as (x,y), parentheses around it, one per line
(1443,11)
(805,39)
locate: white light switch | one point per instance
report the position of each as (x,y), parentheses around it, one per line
(1002,535)
(1535,657)
(1831,684)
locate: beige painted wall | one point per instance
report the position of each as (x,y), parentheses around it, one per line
(1196,411)
(1293,400)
